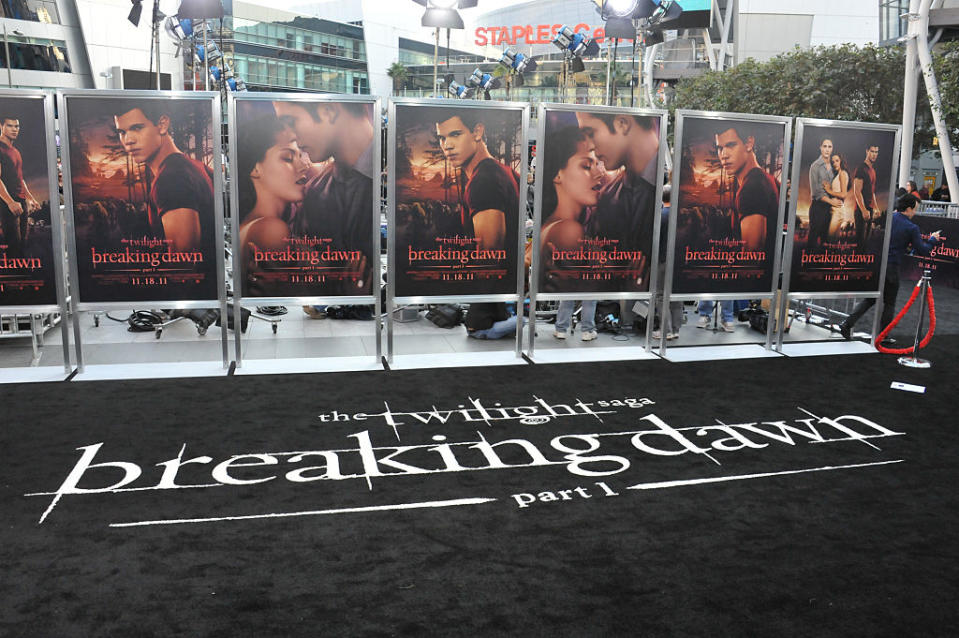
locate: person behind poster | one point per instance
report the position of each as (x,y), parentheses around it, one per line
(338,200)
(489,207)
(820,209)
(904,234)
(181,208)
(271,177)
(757,192)
(16,200)
(864,193)
(627,204)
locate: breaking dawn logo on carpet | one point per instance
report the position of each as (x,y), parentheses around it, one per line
(567,451)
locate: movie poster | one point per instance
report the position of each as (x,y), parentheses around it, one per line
(842,202)
(304,196)
(943,260)
(598,172)
(458,207)
(730,176)
(142,184)
(27,269)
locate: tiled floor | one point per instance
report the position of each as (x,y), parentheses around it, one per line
(352,343)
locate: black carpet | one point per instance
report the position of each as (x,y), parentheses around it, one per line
(839,520)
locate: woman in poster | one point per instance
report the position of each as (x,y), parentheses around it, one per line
(272,176)
(842,214)
(573,177)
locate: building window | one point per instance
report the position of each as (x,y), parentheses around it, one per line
(36,54)
(360,84)
(33,10)
(891,26)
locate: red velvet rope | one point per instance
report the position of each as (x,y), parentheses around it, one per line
(902,313)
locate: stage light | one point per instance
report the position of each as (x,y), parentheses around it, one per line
(579,44)
(443,14)
(484,81)
(657,12)
(666,11)
(619,8)
(135,12)
(457,90)
(200,9)
(210,52)
(517,62)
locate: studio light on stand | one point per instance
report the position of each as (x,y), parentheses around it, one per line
(442,14)
(640,21)
(574,46)
(480,80)
(515,64)
(457,90)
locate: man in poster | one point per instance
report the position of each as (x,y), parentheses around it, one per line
(338,201)
(490,190)
(820,209)
(864,193)
(757,192)
(181,208)
(628,202)
(16,200)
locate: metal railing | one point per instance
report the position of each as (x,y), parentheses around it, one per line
(938,209)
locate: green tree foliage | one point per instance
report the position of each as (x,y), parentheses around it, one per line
(946,65)
(845,82)
(399,74)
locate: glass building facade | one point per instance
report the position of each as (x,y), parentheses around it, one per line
(296,53)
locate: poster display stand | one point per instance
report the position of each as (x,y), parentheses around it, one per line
(455,215)
(839,228)
(31,251)
(143,192)
(305,193)
(598,202)
(727,205)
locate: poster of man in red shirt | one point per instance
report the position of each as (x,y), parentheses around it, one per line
(457,199)
(730,210)
(144,206)
(27,270)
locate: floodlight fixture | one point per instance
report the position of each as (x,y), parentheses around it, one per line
(135,12)
(457,90)
(667,11)
(517,62)
(442,14)
(482,80)
(618,8)
(200,9)
(578,44)
(210,52)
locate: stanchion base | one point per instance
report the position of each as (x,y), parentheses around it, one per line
(914,362)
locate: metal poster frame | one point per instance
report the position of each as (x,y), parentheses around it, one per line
(376,263)
(681,115)
(796,176)
(649,295)
(391,299)
(64,96)
(56,222)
